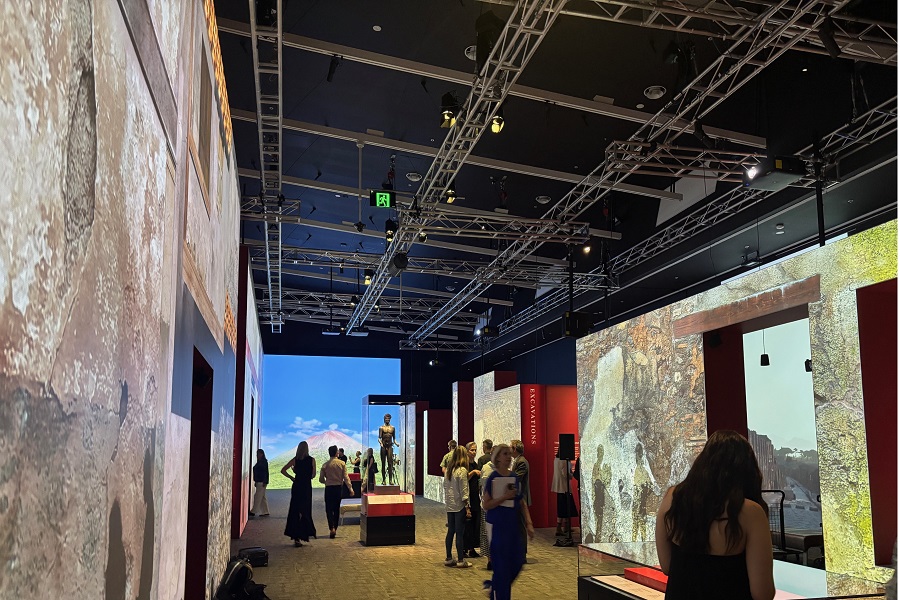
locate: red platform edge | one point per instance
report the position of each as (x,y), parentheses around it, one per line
(651,578)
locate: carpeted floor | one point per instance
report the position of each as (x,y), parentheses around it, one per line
(344,568)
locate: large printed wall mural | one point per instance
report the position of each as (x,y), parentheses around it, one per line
(642,404)
(93,458)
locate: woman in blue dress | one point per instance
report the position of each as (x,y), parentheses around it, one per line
(507,546)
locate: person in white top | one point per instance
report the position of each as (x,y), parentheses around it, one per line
(562,487)
(456,497)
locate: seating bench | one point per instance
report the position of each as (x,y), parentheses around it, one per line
(352,505)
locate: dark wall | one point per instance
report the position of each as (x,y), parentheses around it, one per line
(551,364)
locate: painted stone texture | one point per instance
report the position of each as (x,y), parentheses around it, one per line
(83,334)
(498,413)
(93,466)
(637,384)
(409,442)
(641,398)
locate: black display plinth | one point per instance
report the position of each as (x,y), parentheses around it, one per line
(387,531)
(357,489)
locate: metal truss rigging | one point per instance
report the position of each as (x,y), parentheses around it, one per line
(325,307)
(520,275)
(756,48)
(859,38)
(521,36)
(872,126)
(266,43)
(680,161)
(441,345)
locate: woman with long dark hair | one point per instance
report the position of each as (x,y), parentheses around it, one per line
(456,499)
(299,526)
(712,529)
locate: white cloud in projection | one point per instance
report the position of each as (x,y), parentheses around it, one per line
(307,396)
(780,396)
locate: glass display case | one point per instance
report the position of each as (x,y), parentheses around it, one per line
(373,418)
(602,575)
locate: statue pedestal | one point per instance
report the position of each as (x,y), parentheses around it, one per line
(387,519)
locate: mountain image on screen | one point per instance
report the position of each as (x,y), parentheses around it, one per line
(318,448)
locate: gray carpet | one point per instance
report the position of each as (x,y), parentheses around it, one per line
(344,568)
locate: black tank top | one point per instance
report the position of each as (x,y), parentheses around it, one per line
(303,468)
(707,577)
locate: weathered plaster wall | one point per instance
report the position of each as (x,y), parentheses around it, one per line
(642,403)
(498,413)
(93,460)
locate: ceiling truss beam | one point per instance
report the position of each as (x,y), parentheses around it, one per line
(462,78)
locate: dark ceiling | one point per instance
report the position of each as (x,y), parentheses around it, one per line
(582,90)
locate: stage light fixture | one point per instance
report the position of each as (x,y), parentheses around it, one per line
(451,193)
(331,330)
(390,228)
(359,332)
(826,36)
(488,28)
(752,172)
(488,331)
(764,360)
(397,264)
(423,237)
(368,274)
(497,122)
(775,174)
(449,110)
(586,249)
(354,300)
(434,362)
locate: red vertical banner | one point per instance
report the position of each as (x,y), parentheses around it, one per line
(534,437)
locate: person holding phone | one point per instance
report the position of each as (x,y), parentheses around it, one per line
(504,507)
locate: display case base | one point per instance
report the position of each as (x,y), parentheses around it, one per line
(387,531)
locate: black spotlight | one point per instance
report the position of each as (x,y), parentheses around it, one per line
(764,360)
(390,228)
(368,274)
(488,28)
(354,300)
(397,264)
(807,365)
(332,67)
(449,110)
(826,36)
(423,237)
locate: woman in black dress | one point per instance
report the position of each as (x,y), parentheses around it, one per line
(299,520)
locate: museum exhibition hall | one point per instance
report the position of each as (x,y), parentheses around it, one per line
(353,233)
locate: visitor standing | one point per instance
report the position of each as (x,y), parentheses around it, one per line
(356,461)
(334,475)
(261,481)
(523,471)
(299,526)
(485,457)
(451,448)
(507,550)
(471,537)
(369,469)
(712,529)
(456,499)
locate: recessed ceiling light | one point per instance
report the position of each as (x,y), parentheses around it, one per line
(640,105)
(779,226)
(542,199)
(376,27)
(655,92)
(804,69)
(337,195)
(470,52)
(450,288)
(779,232)
(414,176)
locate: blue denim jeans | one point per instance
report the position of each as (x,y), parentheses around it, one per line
(456,524)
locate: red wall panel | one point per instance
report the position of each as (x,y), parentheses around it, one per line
(534,436)
(465,401)
(562,417)
(440,430)
(877,318)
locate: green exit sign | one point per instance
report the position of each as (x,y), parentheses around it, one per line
(382,198)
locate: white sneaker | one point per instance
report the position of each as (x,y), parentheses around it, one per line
(463,564)
(449,562)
